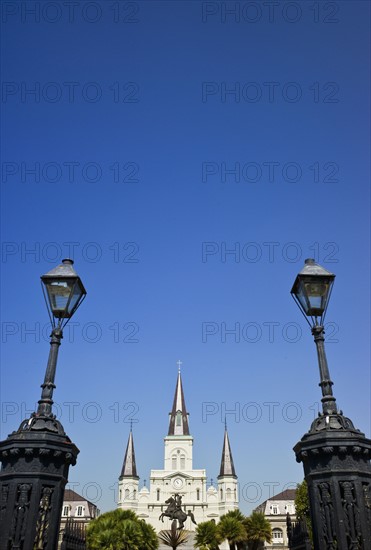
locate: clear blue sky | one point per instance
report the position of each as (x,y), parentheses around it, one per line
(139,114)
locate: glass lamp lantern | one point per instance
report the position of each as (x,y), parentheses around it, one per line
(63,292)
(311,291)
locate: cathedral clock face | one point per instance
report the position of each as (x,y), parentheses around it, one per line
(178,483)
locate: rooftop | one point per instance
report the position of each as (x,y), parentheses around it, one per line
(288,494)
(72,496)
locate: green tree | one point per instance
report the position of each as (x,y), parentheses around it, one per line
(232,529)
(126,514)
(150,540)
(131,535)
(235,514)
(302,509)
(258,530)
(207,536)
(120,530)
(302,501)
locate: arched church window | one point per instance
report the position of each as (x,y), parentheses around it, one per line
(120,495)
(173,462)
(158,494)
(127,494)
(198,494)
(134,493)
(221,494)
(228,494)
(182,462)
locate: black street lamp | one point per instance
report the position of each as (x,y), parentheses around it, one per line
(335,455)
(36,458)
(312,291)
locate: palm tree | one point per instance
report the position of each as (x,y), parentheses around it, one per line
(149,536)
(102,536)
(174,538)
(232,529)
(120,530)
(235,514)
(258,530)
(207,536)
(238,515)
(125,514)
(113,531)
(131,535)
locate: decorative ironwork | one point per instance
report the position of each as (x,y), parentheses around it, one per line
(327,515)
(35,459)
(297,534)
(18,530)
(43,519)
(351,514)
(335,455)
(73,537)
(4,501)
(367,502)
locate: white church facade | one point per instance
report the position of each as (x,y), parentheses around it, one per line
(178,478)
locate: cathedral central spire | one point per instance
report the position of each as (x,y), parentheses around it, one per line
(178,424)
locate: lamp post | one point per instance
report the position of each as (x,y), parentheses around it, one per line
(335,455)
(36,458)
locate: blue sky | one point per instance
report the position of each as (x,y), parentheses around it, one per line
(188,156)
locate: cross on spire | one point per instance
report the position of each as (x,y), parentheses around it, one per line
(179,362)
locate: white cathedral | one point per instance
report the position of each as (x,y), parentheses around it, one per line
(178,477)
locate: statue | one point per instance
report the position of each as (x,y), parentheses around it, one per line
(174,511)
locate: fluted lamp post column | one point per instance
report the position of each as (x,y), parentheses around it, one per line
(335,455)
(36,458)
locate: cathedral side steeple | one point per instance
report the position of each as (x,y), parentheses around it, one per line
(129,467)
(129,479)
(227,465)
(178,424)
(227,479)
